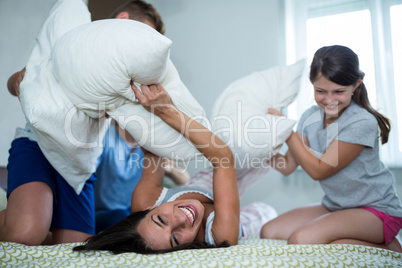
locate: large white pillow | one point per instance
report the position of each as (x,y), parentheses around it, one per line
(100,78)
(151,132)
(45,105)
(95,62)
(240,116)
(78,73)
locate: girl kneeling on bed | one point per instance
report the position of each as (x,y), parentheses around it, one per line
(337,145)
(165,220)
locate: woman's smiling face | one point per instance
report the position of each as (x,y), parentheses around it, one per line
(172,224)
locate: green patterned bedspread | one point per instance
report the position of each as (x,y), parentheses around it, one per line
(249,253)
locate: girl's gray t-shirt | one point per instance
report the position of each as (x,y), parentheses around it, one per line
(364,182)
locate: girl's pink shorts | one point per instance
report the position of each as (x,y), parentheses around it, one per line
(391,225)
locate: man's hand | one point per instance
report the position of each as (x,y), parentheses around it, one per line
(13,83)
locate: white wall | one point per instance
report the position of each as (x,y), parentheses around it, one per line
(214,43)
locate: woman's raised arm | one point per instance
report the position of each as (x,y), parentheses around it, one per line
(149,187)
(226,198)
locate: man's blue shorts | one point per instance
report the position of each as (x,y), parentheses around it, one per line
(26,163)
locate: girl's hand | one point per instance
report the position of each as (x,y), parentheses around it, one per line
(274,112)
(154,98)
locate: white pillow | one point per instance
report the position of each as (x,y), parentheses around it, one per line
(70,83)
(45,105)
(151,132)
(95,62)
(240,116)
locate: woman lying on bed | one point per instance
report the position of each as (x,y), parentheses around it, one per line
(165,220)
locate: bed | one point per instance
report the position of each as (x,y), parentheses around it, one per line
(253,252)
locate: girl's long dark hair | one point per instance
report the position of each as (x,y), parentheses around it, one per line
(340,65)
(124,237)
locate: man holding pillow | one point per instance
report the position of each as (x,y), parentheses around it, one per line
(120,165)
(39,199)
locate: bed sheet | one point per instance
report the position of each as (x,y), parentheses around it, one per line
(253,252)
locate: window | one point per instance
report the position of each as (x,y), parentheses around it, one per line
(373,29)
(396,34)
(352,29)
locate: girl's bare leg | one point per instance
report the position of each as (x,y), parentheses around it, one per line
(284,225)
(352,224)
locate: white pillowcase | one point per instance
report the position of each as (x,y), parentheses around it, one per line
(79,71)
(95,62)
(151,132)
(240,116)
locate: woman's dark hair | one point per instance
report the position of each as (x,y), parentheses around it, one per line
(340,65)
(124,237)
(140,11)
